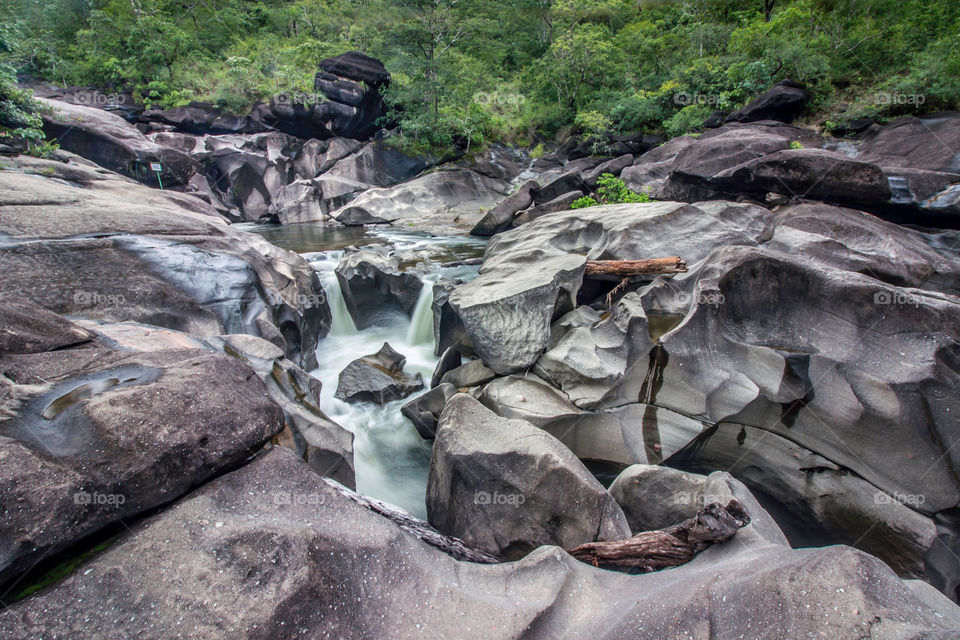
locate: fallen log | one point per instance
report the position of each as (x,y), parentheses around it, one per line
(620,269)
(671,547)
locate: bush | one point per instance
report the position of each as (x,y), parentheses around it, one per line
(610,190)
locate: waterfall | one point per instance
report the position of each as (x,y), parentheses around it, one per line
(421,322)
(324,265)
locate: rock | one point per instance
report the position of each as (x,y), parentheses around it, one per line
(648,172)
(927,143)
(569,181)
(354,80)
(506,487)
(560,203)
(377,377)
(614,167)
(424,411)
(92,436)
(27,328)
(656,497)
(782,102)
(325,445)
(442,201)
(448,329)
(809,173)
(449,360)
(83,242)
(200,118)
(115,144)
(377,165)
(317,156)
(470,374)
(506,314)
(499,217)
(275,522)
(246,181)
(375,287)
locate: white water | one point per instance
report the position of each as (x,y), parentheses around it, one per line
(391,459)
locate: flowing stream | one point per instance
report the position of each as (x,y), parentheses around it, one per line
(392,460)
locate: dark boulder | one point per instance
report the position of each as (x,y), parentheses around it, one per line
(782,102)
(499,218)
(424,411)
(377,377)
(375,286)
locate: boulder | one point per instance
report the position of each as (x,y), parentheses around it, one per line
(377,377)
(560,203)
(245,181)
(782,102)
(87,243)
(375,287)
(115,144)
(424,410)
(201,118)
(254,553)
(449,360)
(377,165)
(470,374)
(28,328)
(613,167)
(649,171)
(569,181)
(926,143)
(449,201)
(93,436)
(499,217)
(505,487)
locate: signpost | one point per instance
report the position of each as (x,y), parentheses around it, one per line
(155,166)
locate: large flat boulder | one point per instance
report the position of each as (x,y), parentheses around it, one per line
(253,554)
(782,102)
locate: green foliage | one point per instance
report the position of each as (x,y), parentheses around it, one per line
(796,144)
(610,190)
(472,71)
(20,114)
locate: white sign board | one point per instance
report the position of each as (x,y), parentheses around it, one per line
(155,166)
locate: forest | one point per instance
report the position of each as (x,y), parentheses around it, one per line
(516,71)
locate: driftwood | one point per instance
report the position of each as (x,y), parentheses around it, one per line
(670,547)
(620,269)
(448,544)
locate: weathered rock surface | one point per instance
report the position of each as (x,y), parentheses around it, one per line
(252,554)
(376,287)
(499,217)
(92,436)
(560,203)
(378,377)
(469,374)
(424,411)
(85,242)
(506,487)
(115,144)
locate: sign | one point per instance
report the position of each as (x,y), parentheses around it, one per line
(155,166)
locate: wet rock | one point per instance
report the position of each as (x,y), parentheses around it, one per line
(506,487)
(375,287)
(111,250)
(499,217)
(449,360)
(92,436)
(782,102)
(115,144)
(377,377)
(424,411)
(276,523)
